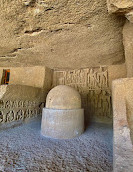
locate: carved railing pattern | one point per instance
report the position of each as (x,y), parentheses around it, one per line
(18,110)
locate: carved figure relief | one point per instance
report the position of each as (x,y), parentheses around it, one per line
(1,116)
(92,84)
(16,104)
(10,116)
(20,115)
(99,103)
(1,104)
(20,104)
(92,78)
(8,104)
(18,110)
(27,113)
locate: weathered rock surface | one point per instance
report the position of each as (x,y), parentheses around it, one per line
(129,16)
(123,124)
(119,6)
(128,46)
(124,7)
(69,34)
(2,90)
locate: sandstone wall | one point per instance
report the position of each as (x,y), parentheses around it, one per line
(36,76)
(125,8)
(123,124)
(25,95)
(94,85)
(64,33)
(48,80)
(119,6)
(19,103)
(128,46)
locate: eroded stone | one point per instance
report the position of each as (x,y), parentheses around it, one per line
(119,6)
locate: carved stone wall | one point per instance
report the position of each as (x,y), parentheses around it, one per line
(18,110)
(19,103)
(93,85)
(122,94)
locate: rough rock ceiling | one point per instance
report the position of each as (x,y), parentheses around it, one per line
(59,33)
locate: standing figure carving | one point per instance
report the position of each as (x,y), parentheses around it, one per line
(10,116)
(92,84)
(1,116)
(20,115)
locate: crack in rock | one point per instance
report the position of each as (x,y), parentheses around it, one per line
(6,57)
(33,31)
(49,9)
(15,50)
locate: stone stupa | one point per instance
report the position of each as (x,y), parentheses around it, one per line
(63,117)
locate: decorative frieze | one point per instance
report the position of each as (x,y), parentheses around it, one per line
(16,115)
(92,84)
(9,104)
(92,78)
(15,110)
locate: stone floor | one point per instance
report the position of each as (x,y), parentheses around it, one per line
(23,149)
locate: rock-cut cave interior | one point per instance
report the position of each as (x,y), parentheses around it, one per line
(66,86)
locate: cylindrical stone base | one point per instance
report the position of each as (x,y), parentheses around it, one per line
(62,124)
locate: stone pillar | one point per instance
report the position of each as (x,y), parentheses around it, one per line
(122,94)
(128,46)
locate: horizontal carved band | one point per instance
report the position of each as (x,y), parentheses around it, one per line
(13,115)
(17,104)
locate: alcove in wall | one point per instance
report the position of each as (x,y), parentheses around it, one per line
(5,77)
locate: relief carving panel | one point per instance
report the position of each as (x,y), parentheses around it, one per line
(18,110)
(92,84)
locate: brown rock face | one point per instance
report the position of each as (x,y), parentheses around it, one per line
(121,6)
(129,16)
(64,33)
(125,7)
(122,92)
(128,45)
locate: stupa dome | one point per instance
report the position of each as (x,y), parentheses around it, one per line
(63,97)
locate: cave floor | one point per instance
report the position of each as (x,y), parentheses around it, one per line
(23,149)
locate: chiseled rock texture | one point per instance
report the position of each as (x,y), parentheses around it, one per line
(2,90)
(129,16)
(121,6)
(122,91)
(124,7)
(128,46)
(64,33)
